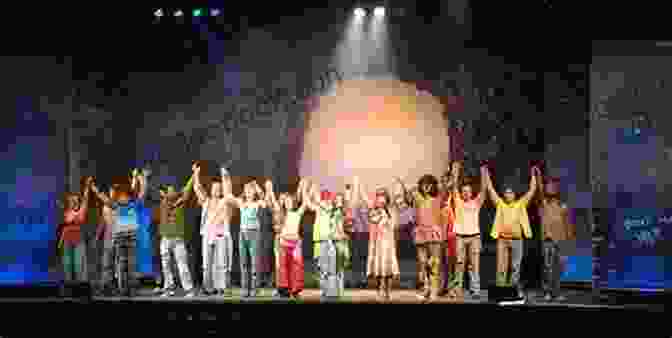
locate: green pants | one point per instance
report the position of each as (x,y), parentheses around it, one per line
(73,262)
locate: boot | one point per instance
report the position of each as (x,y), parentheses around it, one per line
(227,292)
(252,290)
(244,283)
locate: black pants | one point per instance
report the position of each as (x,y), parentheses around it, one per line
(551,269)
(126,266)
(360,251)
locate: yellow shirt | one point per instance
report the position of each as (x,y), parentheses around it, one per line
(511,219)
(292,223)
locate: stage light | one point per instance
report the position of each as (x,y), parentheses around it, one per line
(214,12)
(379,12)
(158,13)
(197,12)
(360,12)
(178,13)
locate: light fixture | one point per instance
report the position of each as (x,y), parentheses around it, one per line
(379,12)
(360,12)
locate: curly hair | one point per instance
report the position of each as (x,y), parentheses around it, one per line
(432,182)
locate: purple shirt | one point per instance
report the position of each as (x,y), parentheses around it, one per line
(406,223)
(360,222)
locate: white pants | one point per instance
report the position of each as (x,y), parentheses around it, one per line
(217,262)
(175,247)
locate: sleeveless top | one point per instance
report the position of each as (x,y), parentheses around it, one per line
(249,218)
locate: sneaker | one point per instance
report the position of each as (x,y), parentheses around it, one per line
(226,293)
(158,290)
(168,293)
(276,293)
(560,299)
(476,295)
(547,297)
(190,294)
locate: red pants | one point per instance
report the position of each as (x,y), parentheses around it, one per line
(451,245)
(291,273)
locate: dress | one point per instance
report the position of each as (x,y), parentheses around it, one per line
(382,259)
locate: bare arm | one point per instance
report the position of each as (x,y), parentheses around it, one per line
(270,195)
(491,190)
(533,185)
(542,190)
(484,188)
(102,197)
(299,189)
(260,192)
(408,195)
(305,197)
(455,172)
(198,188)
(142,184)
(134,184)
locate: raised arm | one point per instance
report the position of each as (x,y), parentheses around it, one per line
(408,194)
(198,188)
(270,195)
(260,193)
(541,187)
(142,183)
(455,172)
(188,190)
(83,210)
(300,190)
(533,185)
(491,190)
(305,196)
(134,182)
(102,197)
(484,188)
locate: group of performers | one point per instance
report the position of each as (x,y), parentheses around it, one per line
(444,217)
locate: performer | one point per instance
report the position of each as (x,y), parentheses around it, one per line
(265,255)
(359,245)
(88,232)
(331,246)
(556,228)
(382,264)
(249,207)
(69,233)
(173,244)
(216,232)
(277,205)
(291,269)
(126,208)
(510,226)
(468,230)
(428,202)
(406,228)
(104,232)
(447,224)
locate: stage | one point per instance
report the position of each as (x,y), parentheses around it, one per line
(575,299)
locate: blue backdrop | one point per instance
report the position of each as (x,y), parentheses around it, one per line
(638,239)
(31,179)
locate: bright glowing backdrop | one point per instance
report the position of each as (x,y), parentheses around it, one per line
(376,128)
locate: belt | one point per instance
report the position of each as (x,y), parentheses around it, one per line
(468,236)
